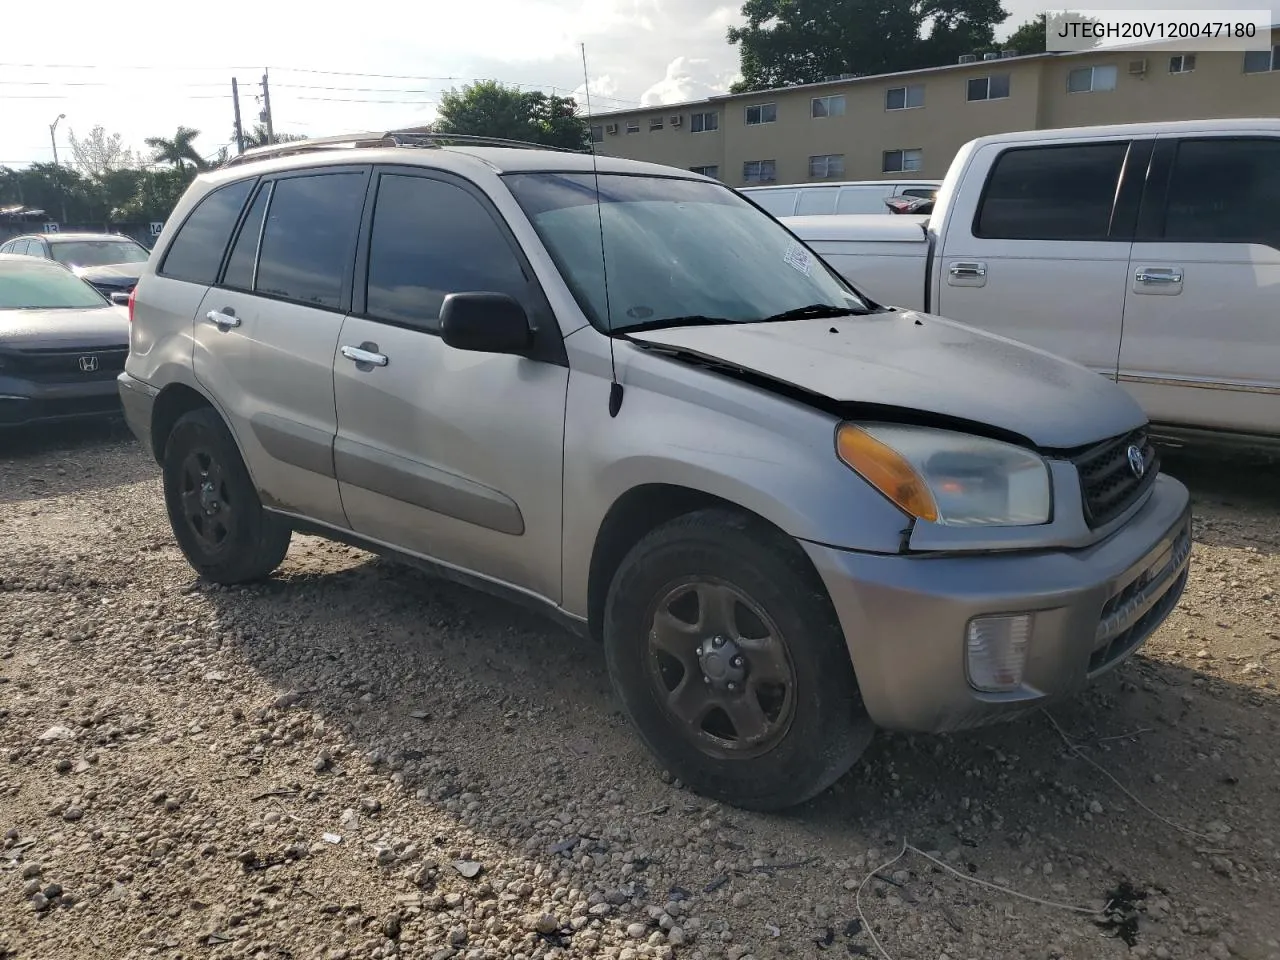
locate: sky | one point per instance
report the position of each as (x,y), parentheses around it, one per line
(376,64)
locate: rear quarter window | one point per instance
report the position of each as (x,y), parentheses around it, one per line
(196,252)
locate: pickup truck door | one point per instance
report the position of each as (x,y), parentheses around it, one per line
(1035,245)
(449,454)
(1201,343)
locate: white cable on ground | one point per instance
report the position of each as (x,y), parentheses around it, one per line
(857,899)
(1127,792)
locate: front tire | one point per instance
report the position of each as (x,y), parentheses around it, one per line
(727,656)
(214,510)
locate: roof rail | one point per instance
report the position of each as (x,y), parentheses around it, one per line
(391,138)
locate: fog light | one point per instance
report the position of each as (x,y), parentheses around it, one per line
(996,651)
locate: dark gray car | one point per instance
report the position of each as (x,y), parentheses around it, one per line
(61,344)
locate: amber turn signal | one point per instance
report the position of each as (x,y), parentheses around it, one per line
(886,470)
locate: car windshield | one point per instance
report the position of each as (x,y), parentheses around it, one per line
(97,253)
(39,285)
(677,251)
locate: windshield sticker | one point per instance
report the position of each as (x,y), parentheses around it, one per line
(798,257)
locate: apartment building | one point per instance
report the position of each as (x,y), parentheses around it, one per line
(912,123)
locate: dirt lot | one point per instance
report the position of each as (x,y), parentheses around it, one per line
(353,760)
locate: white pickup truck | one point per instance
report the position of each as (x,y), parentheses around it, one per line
(1149,252)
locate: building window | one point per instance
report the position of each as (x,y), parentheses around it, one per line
(597,133)
(762,113)
(704,122)
(902,161)
(633,126)
(1091,79)
(1182,63)
(994,87)
(712,171)
(1262,61)
(827,106)
(655,123)
(827,165)
(907,98)
(760,171)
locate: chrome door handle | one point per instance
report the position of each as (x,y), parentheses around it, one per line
(225,318)
(1163,276)
(968,270)
(359,355)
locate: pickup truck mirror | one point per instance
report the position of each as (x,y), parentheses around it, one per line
(485,323)
(120,299)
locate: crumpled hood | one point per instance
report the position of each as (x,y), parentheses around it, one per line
(918,362)
(47,329)
(124,271)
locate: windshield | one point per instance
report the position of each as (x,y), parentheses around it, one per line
(676,249)
(39,285)
(97,253)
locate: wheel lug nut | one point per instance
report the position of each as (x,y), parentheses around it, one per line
(732,685)
(737,661)
(718,642)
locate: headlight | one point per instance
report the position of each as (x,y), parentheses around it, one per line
(947,477)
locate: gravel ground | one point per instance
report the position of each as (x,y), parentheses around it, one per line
(353,760)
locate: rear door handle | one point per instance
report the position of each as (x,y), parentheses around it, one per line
(968,271)
(224,319)
(1158,275)
(361,355)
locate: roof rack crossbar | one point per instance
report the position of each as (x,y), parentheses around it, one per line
(390,138)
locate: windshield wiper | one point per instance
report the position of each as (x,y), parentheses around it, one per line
(661,323)
(814,311)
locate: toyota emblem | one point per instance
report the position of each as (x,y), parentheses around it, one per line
(1137,462)
(89,364)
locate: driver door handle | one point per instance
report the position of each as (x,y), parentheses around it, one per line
(359,355)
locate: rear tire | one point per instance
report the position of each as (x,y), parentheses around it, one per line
(213,507)
(730,605)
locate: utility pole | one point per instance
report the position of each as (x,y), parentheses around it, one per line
(235,99)
(53,136)
(266,109)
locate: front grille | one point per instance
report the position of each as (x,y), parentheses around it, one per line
(62,365)
(1107,481)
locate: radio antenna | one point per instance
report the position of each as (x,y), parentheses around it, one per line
(615,388)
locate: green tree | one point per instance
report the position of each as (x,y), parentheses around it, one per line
(490,109)
(1030,36)
(99,153)
(787,42)
(180,151)
(257,137)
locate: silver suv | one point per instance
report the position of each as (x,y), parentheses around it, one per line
(628,397)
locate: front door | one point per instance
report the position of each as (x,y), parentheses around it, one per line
(1035,254)
(267,332)
(452,455)
(1202,320)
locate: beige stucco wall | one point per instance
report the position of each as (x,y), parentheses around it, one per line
(1038,99)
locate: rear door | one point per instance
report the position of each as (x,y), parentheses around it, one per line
(1039,251)
(265,335)
(450,454)
(1202,319)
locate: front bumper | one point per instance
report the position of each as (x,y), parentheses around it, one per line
(904,618)
(26,402)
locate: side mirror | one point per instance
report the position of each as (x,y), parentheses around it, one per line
(120,299)
(485,323)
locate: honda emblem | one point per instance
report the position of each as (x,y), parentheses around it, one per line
(88,364)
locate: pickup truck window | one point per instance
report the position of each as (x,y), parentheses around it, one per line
(1052,193)
(676,248)
(1199,210)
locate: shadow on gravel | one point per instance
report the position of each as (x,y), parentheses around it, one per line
(1245,489)
(36,463)
(468,694)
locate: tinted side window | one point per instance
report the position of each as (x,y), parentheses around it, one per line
(244,254)
(431,239)
(1225,191)
(196,252)
(310,237)
(863,200)
(780,203)
(817,202)
(1052,193)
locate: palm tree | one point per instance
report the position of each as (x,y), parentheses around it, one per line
(179,151)
(257,137)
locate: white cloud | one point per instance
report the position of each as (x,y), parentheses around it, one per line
(686,79)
